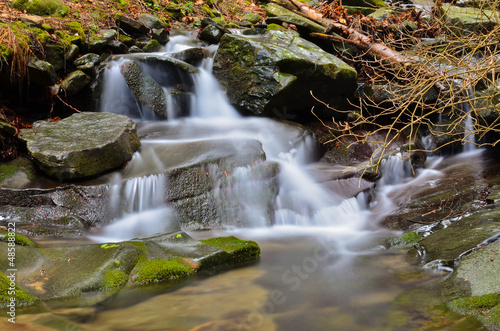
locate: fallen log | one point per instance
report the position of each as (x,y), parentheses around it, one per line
(375,49)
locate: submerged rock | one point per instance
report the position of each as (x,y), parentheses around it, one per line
(82,145)
(274,74)
(63,272)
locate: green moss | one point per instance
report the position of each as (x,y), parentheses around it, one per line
(22,298)
(18,239)
(139,244)
(6,171)
(114,279)
(273,26)
(405,240)
(240,250)
(40,7)
(122,4)
(106,246)
(485,308)
(161,270)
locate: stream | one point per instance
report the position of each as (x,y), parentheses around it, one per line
(323,264)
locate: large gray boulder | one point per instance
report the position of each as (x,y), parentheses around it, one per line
(273,74)
(82,145)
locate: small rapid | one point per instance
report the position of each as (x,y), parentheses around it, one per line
(300,202)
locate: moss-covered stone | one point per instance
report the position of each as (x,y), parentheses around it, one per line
(18,239)
(240,250)
(9,290)
(271,74)
(59,272)
(152,46)
(161,270)
(75,82)
(485,308)
(40,7)
(406,239)
(114,279)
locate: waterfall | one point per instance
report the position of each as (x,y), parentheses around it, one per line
(292,199)
(469,136)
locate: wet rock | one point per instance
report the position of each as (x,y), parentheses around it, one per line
(252,18)
(151,22)
(192,56)
(87,58)
(273,74)
(148,93)
(161,35)
(131,26)
(7,128)
(82,145)
(22,298)
(117,47)
(466,19)
(211,34)
(101,39)
(72,53)
(148,74)
(208,21)
(187,256)
(17,173)
(67,211)
(437,198)
(134,49)
(128,41)
(152,46)
(75,82)
(459,236)
(63,272)
(41,72)
(55,55)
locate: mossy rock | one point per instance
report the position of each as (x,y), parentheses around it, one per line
(406,239)
(17,173)
(40,7)
(152,46)
(9,290)
(156,271)
(252,18)
(240,250)
(18,239)
(273,74)
(60,272)
(485,308)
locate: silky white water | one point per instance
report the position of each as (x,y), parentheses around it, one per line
(301,202)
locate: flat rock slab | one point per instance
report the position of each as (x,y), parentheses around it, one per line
(82,145)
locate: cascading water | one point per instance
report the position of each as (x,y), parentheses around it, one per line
(301,202)
(469,136)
